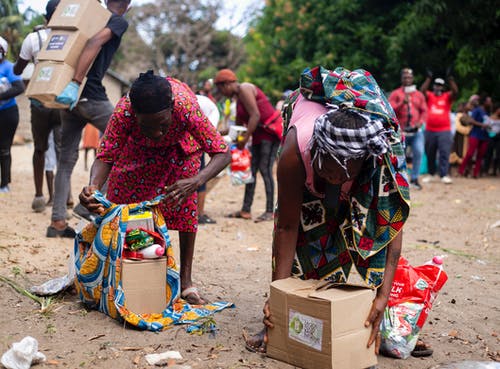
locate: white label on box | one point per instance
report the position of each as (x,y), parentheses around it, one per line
(45,74)
(305,329)
(70,10)
(57,42)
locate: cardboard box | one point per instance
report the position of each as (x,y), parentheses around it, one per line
(86,16)
(63,46)
(48,80)
(144,284)
(320,328)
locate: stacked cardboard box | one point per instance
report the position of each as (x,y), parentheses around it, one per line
(320,328)
(73,23)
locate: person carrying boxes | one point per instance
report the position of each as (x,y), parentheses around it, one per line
(93,107)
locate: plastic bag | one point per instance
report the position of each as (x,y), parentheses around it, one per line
(241,172)
(413,292)
(56,285)
(23,354)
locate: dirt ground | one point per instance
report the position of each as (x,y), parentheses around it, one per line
(232,263)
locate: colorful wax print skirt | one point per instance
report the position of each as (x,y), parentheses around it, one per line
(98,260)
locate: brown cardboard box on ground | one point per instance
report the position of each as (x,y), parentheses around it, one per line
(48,80)
(63,46)
(320,329)
(144,284)
(86,16)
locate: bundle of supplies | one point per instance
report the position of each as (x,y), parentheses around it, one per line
(141,243)
(240,169)
(413,292)
(144,292)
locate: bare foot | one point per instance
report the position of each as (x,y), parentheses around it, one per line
(257,342)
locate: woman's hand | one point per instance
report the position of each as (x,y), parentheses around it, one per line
(88,201)
(374,318)
(178,192)
(267,316)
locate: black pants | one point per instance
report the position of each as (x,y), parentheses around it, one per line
(492,157)
(263,158)
(9,120)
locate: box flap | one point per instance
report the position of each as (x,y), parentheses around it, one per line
(295,285)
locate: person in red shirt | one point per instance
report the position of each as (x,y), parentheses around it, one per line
(438,136)
(410,107)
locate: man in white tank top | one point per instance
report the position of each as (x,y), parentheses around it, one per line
(43,120)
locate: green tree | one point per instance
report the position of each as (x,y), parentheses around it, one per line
(11,23)
(183,38)
(380,36)
(462,34)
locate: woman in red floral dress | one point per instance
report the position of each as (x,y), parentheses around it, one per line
(153,145)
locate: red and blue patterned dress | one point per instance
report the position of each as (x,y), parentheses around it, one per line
(142,167)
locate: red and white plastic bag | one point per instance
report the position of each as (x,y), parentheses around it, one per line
(241,170)
(413,292)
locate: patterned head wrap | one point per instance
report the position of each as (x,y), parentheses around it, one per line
(356,88)
(343,144)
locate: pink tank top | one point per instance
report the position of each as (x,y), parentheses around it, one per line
(304,114)
(266,109)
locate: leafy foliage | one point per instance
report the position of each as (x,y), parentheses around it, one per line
(183,38)
(380,36)
(11,25)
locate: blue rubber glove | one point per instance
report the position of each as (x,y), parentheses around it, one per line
(69,96)
(36,102)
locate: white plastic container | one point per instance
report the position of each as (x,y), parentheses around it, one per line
(152,252)
(235,131)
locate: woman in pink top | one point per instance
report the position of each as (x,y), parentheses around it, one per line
(342,190)
(252,110)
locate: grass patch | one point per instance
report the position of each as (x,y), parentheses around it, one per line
(46,303)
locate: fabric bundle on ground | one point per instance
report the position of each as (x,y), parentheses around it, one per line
(98,262)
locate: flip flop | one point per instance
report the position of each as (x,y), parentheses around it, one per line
(422,350)
(195,294)
(255,343)
(67,232)
(239,214)
(264,217)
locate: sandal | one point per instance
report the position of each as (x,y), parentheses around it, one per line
(264,217)
(67,232)
(239,214)
(192,296)
(257,342)
(422,350)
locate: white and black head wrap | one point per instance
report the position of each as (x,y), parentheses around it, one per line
(346,143)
